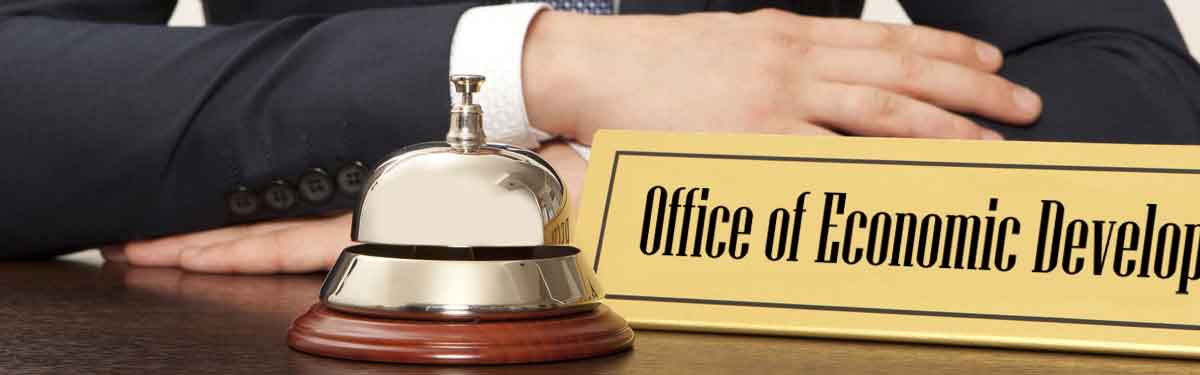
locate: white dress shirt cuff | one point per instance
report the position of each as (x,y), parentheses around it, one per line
(489,41)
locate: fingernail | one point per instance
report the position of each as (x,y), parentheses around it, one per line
(1027,100)
(992,135)
(988,54)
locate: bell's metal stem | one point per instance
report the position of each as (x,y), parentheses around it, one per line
(466,118)
(466,129)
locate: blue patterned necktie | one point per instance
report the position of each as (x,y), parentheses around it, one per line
(600,7)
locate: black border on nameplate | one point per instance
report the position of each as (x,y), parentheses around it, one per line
(873,310)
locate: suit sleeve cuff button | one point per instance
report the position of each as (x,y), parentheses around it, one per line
(351,177)
(242,202)
(280,196)
(316,186)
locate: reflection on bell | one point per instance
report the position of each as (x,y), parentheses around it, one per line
(461,261)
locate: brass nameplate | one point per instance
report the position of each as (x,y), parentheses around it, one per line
(1066,246)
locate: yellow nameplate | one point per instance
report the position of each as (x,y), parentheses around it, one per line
(1088,247)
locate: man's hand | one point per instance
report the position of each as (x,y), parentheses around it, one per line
(767,71)
(292,246)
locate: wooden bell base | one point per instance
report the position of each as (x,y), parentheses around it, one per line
(329,333)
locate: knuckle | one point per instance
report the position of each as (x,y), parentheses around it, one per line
(190,260)
(881,105)
(909,36)
(187,257)
(867,105)
(887,35)
(777,47)
(912,66)
(769,13)
(773,38)
(772,50)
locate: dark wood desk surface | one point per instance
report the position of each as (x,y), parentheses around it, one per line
(68,317)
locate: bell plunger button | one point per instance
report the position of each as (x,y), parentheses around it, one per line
(351,177)
(315,186)
(241,202)
(279,196)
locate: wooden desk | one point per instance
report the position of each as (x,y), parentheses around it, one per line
(67,317)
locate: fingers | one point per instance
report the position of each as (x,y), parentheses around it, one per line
(164,252)
(308,247)
(868,111)
(944,84)
(926,41)
(920,40)
(945,69)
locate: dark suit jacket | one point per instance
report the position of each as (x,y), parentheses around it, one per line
(114,128)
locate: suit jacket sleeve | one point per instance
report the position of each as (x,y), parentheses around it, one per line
(1107,70)
(114,127)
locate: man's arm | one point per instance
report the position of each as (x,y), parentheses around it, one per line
(1109,71)
(114,129)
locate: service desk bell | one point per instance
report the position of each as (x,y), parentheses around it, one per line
(462,260)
